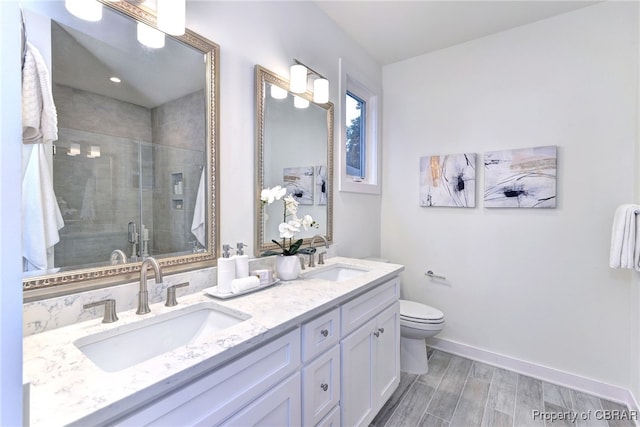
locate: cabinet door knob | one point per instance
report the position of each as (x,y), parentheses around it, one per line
(377,334)
(324,387)
(324,333)
(381,330)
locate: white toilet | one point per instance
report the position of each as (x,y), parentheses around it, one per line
(417,322)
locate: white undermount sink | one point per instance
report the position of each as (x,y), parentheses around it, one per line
(336,273)
(136,342)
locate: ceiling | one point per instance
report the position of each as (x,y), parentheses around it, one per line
(392,31)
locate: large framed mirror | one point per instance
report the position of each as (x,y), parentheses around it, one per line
(135,164)
(294,149)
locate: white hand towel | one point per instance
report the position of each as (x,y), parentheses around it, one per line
(198,227)
(244,284)
(40,211)
(625,244)
(39,116)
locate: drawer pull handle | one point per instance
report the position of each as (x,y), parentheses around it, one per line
(324,387)
(324,333)
(381,330)
(377,334)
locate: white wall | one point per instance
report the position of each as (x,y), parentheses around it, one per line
(10,196)
(272,34)
(529,284)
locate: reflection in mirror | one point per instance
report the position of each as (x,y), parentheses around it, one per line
(294,150)
(134,163)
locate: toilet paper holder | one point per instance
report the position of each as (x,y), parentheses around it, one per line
(434,276)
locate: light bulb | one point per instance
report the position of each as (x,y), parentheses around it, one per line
(149,36)
(321,91)
(278,93)
(171,16)
(298,83)
(300,102)
(89,10)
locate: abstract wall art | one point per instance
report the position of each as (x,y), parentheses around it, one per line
(520,178)
(299,182)
(448,180)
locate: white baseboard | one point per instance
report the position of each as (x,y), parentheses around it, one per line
(551,375)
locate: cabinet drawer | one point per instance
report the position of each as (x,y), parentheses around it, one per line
(280,406)
(366,306)
(214,397)
(320,334)
(331,420)
(321,386)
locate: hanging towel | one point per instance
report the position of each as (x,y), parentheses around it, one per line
(40,212)
(39,116)
(198,227)
(625,239)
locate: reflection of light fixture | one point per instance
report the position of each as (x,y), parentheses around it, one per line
(278,93)
(115,79)
(298,82)
(149,36)
(94,152)
(171,16)
(299,102)
(89,10)
(74,149)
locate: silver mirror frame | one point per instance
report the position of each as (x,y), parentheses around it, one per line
(264,76)
(46,286)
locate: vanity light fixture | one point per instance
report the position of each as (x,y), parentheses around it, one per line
(299,102)
(74,149)
(94,152)
(89,10)
(298,82)
(171,16)
(149,36)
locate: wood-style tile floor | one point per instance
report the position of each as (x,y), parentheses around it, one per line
(459,392)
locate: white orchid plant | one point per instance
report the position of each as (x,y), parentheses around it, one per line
(291,223)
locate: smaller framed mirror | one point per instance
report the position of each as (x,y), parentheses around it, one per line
(294,149)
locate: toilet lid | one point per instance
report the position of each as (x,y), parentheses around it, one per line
(416,312)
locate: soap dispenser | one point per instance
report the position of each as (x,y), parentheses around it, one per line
(242,262)
(226,271)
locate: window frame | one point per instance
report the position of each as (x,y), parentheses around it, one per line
(363,88)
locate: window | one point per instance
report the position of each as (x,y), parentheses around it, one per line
(356,135)
(359,144)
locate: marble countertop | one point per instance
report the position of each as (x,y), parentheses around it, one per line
(66,387)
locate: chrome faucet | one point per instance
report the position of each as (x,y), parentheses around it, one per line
(118,254)
(312,258)
(143,295)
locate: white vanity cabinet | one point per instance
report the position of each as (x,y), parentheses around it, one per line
(336,369)
(370,357)
(267,380)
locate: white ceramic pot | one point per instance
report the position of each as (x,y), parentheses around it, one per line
(288,267)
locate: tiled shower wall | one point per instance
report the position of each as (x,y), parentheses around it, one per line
(100,196)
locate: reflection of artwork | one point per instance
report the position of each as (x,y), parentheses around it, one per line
(448,180)
(523,178)
(299,182)
(321,185)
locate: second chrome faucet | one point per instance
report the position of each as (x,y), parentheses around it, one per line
(143,295)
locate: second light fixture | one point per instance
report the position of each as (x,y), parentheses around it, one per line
(298,82)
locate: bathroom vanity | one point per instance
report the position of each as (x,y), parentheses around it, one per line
(320,350)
